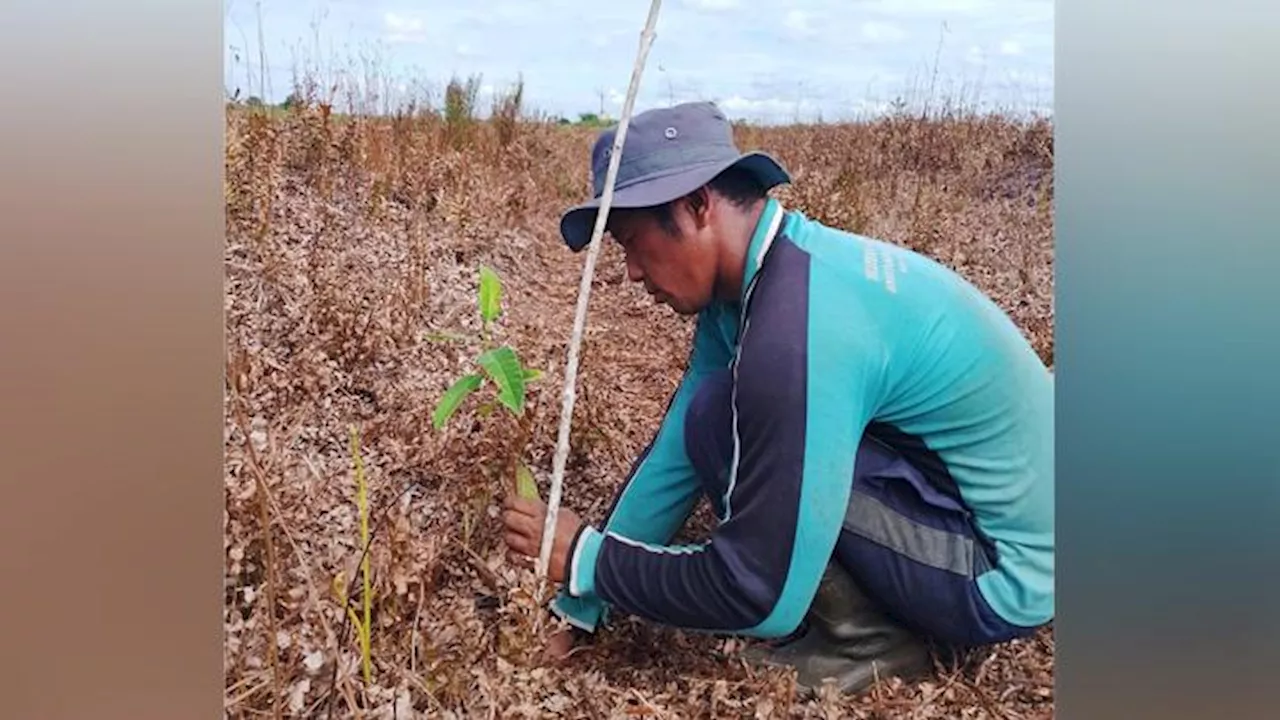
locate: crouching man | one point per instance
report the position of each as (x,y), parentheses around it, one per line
(874,435)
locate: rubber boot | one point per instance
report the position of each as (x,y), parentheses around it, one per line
(848,640)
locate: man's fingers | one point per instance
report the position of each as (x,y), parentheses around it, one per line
(517,542)
(522,524)
(524,506)
(520,545)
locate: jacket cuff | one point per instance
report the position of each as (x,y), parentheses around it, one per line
(584,614)
(581,574)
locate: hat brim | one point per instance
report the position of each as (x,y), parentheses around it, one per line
(578,223)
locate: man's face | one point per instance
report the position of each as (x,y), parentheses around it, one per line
(678,270)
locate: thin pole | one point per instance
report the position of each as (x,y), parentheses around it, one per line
(584,293)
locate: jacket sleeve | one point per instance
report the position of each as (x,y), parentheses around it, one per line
(662,489)
(797,419)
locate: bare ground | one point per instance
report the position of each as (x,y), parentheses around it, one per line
(352,252)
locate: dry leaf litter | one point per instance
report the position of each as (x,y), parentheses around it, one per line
(351,263)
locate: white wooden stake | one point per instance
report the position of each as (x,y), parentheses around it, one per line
(584,292)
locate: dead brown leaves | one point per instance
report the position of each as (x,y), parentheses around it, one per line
(352,250)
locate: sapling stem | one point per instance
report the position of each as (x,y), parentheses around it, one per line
(584,292)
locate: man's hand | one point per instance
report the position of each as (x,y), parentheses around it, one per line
(524,520)
(560,645)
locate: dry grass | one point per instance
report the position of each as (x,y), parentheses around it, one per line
(353,246)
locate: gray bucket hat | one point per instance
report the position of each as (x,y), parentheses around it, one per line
(668,153)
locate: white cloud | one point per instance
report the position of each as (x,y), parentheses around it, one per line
(799,23)
(737,103)
(402,29)
(881,32)
(938,8)
(865,106)
(508,12)
(1030,78)
(712,5)
(1010,47)
(614,37)
(770,108)
(401,23)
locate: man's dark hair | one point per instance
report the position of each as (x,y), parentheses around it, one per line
(738,186)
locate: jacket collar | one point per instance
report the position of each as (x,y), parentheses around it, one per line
(767,228)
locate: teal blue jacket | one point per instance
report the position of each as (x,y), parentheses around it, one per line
(834,334)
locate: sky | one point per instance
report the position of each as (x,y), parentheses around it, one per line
(768,62)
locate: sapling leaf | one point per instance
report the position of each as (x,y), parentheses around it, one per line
(526,486)
(503,367)
(490,295)
(453,398)
(532,374)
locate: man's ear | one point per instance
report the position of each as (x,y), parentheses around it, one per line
(699,202)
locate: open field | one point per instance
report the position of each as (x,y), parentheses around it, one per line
(353,248)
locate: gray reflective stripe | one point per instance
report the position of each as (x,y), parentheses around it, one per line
(875,521)
(982,563)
